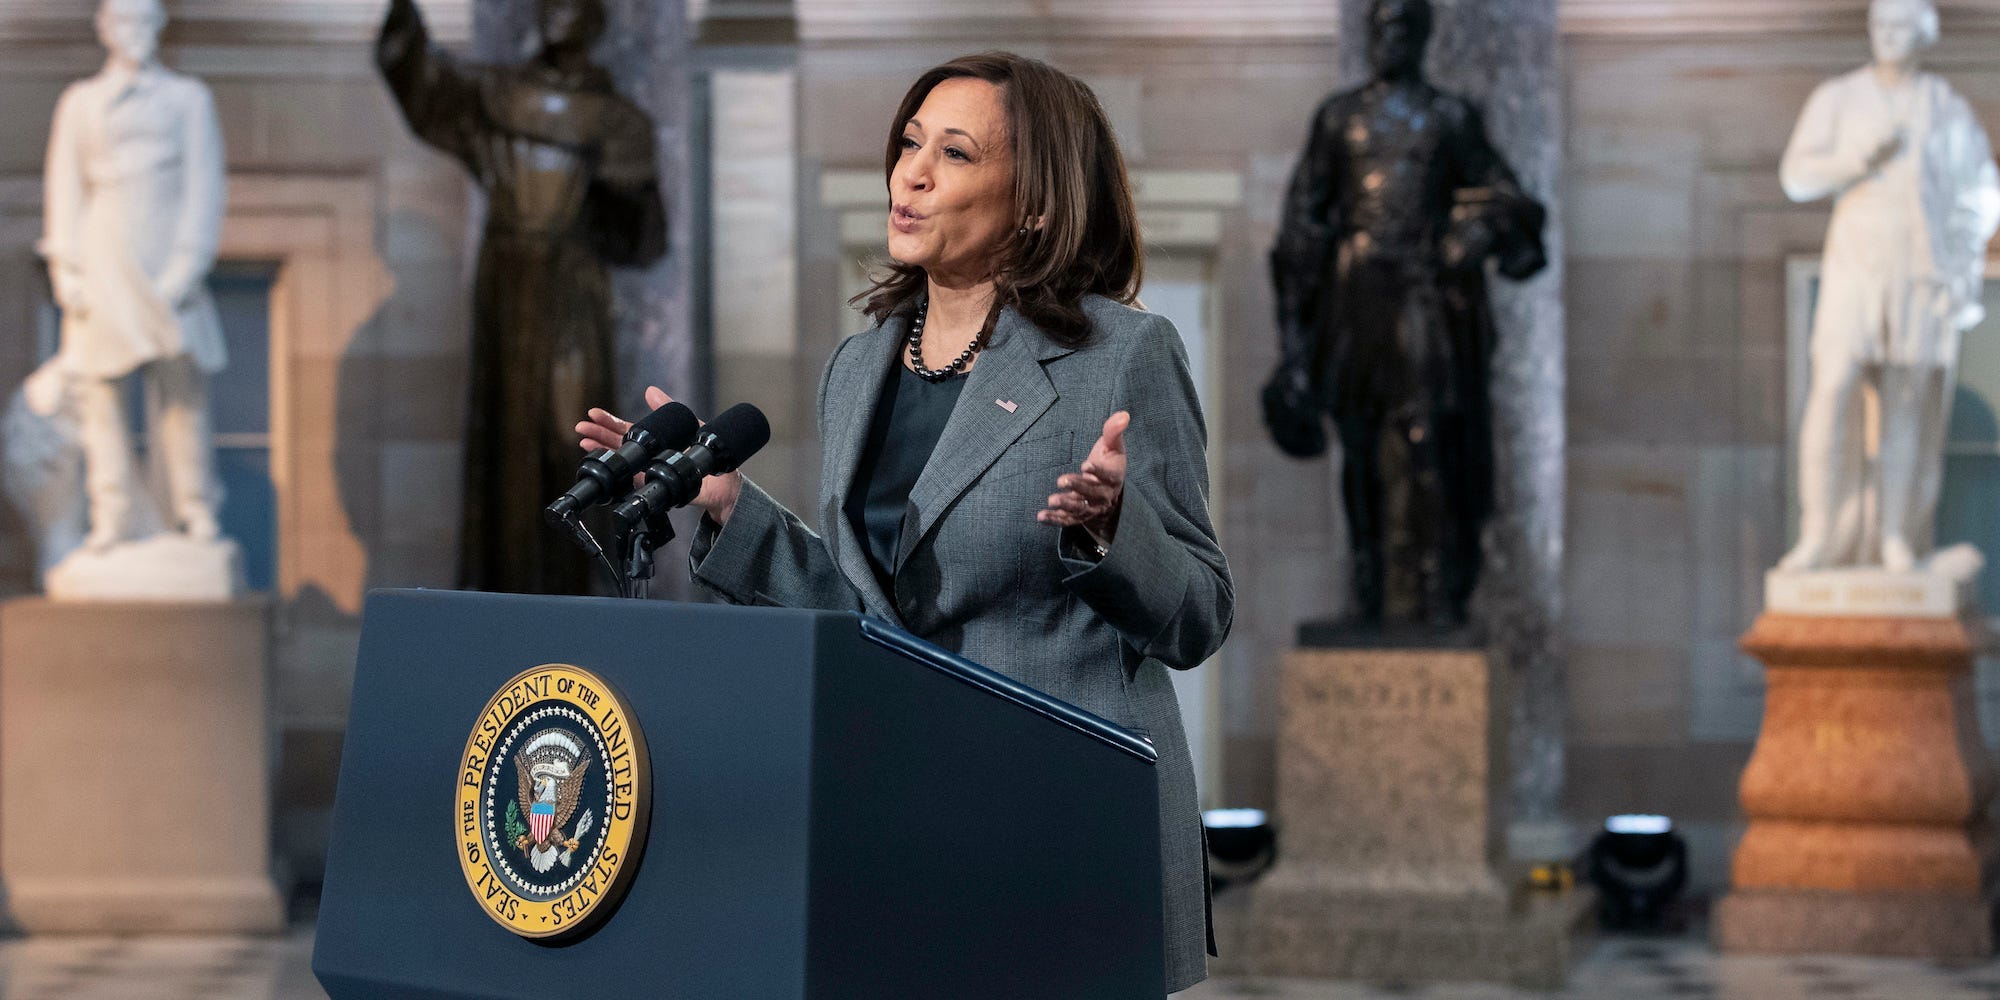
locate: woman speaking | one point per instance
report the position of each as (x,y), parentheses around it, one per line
(1014,463)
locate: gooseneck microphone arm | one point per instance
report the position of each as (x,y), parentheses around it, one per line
(588,543)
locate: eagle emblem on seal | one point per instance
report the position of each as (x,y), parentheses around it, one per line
(550,770)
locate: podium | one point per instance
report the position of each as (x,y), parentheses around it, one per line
(837,809)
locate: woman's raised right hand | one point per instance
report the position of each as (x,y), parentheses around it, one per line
(604,429)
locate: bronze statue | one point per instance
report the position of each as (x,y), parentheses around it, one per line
(1384,325)
(568,169)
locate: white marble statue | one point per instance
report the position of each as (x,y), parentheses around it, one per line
(1916,199)
(133,211)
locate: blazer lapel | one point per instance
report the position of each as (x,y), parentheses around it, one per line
(853,390)
(1006,392)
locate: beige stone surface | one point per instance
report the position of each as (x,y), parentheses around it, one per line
(1529,941)
(1866,793)
(1391,804)
(1389,773)
(135,767)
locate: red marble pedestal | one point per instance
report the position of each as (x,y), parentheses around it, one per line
(1866,793)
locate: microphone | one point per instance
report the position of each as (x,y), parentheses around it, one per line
(674,481)
(602,475)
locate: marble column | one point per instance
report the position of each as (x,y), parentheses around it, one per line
(1502,55)
(646,48)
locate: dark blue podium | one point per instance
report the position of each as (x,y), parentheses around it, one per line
(838,810)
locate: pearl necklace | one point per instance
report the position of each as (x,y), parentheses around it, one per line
(917,351)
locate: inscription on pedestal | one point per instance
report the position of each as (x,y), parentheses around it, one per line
(1864,593)
(1387,697)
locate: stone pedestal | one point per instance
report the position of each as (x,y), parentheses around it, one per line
(1867,790)
(135,767)
(164,567)
(1392,786)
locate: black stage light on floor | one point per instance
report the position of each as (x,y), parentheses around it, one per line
(1639,865)
(1241,844)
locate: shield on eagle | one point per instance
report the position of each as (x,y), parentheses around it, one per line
(551,767)
(541,817)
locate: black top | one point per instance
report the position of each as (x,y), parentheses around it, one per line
(911,413)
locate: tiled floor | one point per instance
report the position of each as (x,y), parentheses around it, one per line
(1615,969)
(1655,969)
(159,968)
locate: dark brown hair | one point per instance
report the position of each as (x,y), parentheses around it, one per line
(1068,173)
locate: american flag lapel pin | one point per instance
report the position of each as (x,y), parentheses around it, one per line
(1006,404)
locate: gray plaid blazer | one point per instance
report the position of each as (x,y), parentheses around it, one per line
(977,574)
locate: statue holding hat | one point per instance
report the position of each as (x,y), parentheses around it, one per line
(1395,210)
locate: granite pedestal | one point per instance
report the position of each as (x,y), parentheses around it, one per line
(135,767)
(1867,790)
(1392,786)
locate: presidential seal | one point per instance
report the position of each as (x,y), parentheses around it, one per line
(552,802)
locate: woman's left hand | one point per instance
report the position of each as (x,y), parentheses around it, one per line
(1089,498)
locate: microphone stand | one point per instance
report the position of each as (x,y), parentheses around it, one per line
(651,533)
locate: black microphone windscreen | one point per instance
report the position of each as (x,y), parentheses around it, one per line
(674,424)
(740,431)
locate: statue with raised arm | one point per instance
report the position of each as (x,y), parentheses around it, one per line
(1380,271)
(133,211)
(1915,201)
(568,169)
